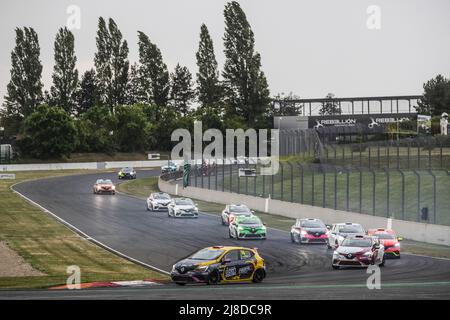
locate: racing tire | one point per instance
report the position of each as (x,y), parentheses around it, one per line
(229,233)
(258,276)
(292,238)
(213,277)
(181,283)
(335,267)
(168,213)
(221,220)
(328,245)
(382,262)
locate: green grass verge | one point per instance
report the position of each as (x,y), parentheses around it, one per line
(143,187)
(50,247)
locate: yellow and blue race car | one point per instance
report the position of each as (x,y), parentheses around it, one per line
(220,264)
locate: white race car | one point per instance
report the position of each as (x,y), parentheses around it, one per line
(358,251)
(231,211)
(158,201)
(339,231)
(182,208)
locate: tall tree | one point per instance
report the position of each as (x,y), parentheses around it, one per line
(436,97)
(135,90)
(65,75)
(329,106)
(247,92)
(87,95)
(24,90)
(111,63)
(181,89)
(208,85)
(153,72)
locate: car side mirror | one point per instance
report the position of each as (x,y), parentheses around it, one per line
(252,211)
(399,239)
(196,204)
(224,261)
(264,224)
(328,227)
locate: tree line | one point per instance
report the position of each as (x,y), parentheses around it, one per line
(117,105)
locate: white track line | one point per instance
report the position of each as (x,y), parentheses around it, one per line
(84,235)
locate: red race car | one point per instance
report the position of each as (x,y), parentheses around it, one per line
(389,240)
(104,186)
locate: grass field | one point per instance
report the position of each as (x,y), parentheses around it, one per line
(50,247)
(143,187)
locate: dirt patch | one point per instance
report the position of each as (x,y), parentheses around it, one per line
(13,265)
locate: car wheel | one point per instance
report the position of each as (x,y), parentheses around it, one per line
(168,213)
(221,219)
(328,245)
(213,277)
(258,276)
(292,238)
(180,283)
(229,233)
(335,267)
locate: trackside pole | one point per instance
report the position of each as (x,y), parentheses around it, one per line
(176,189)
(266,207)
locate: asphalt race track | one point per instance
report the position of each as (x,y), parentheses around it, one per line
(294,271)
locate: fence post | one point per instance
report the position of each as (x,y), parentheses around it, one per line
(263,186)
(255,179)
(418,154)
(196,173)
(223,174)
(335,187)
(408,152)
(388,214)
(347,201)
(301,182)
(312,186)
(323,187)
(434,194)
(292,181)
(418,194)
(403,193)
(360,188)
(398,154)
(373,190)
(231,176)
(388,154)
(282,181)
(378,154)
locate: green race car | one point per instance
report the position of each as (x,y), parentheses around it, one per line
(244,227)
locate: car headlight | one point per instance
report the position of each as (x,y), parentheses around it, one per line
(335,254)
(367,254)
(113,187)
(202,268)
(397,245)
(240,228)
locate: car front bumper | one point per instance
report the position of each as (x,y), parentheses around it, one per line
(353,262)
(189,277)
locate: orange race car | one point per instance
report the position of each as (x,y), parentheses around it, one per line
(389,240)
(104,186)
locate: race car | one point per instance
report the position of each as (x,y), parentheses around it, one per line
(309,231)
(104,186)
(182,208)
(247,228)
(339,231)
(358,251)
(233,210)
(158,201)
(219,264)
(170,167)
(127,173)
(389,240)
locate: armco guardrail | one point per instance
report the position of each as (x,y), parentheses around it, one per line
(424,232)
(84,165)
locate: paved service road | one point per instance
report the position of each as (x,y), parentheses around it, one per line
(294,271)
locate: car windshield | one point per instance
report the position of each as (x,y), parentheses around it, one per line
(206,254)
(239,209)
(101,181)
(184,202)
(250,220)
(161,196)
(362,243)
(127,170)
(312,224)
(384,236)
(351,229)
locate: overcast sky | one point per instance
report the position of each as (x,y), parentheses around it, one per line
(307,47)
